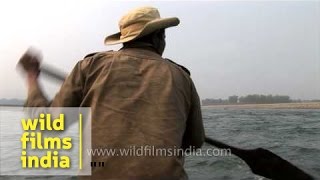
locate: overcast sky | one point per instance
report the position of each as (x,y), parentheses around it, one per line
(231,48)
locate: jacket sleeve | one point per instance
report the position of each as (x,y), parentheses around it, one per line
(69,95)
(194,134)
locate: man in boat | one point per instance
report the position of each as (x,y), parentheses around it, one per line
(137,99)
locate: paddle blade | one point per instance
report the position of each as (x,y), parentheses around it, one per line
(265,163)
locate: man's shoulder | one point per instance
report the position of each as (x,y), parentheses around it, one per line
(91,58)
(96,54)
(179,65)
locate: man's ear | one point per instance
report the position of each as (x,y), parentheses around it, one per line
(158,41)
(155,38)
(161,34)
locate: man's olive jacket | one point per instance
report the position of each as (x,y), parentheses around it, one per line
(137,99)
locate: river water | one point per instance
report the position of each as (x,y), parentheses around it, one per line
(292,134)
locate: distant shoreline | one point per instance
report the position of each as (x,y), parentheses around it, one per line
(11,105)
(304,105)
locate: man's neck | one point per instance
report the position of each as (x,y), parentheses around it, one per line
(142,45)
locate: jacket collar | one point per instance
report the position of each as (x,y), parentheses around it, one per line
(141,49)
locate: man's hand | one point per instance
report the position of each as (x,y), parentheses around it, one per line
(30,62)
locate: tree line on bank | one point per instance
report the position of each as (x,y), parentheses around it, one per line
(249,99)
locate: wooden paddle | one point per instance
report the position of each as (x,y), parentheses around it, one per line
(53,73)
(261,161)
(264,163)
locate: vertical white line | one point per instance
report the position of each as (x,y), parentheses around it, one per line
(80,141)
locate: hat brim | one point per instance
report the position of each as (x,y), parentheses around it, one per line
(150,27)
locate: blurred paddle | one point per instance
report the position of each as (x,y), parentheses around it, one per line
(261,161)
(52,72)
(264,163)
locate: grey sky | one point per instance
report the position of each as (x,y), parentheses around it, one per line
(230,47)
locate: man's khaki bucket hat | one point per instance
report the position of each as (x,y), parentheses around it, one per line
(140,22)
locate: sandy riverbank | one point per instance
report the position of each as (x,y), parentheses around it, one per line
(308,105)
